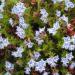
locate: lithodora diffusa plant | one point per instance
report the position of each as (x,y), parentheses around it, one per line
(37,37)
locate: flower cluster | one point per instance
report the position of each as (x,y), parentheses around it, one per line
(44,15)
(69,4)
(67,59)
(18,53)
(58,13)
(40,65)
(18,9)
(38,36)
(3,42)
(64,18)
(36,55)
(52,61)
(20,32)
(69,43)
(22,23)
(53,30)
(28,43)
(1,8)
(9,66)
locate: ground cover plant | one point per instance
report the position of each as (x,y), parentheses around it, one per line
(37,37)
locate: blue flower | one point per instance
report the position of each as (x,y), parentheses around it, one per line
(66,45)
(31,63)
(44,15)
(20,32)
(22,23)
(46,73)
(69,4)
(69,56)
(52,61)
(1,16)
(55,1)
(9,66)
(72,66)
(72,47)
(36,55)
(56,25)
(66,39)
(2,5)
(52,31)
(11,22)
(40,66)
(64,18)
(18,9)
(27,70)
(28,43)
(18,53)
(65,61)
(58,13)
